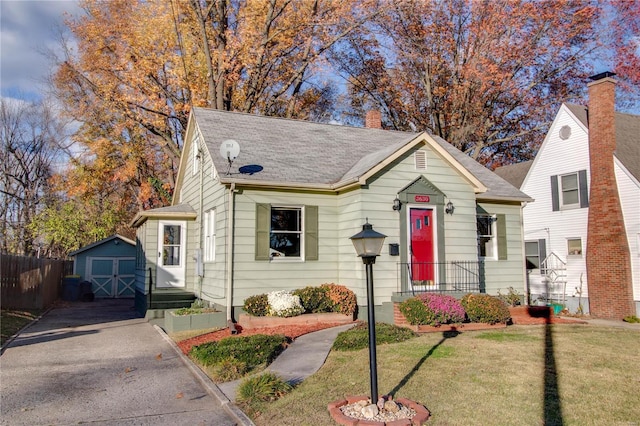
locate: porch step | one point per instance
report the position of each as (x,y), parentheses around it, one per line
(171,299)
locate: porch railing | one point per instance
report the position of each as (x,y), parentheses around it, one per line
(458,276)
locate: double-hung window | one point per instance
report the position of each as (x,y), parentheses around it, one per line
(285,239)
(487,243)
(286,232)
(210,236)
(569,191)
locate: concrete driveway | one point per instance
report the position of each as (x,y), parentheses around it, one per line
(98,363)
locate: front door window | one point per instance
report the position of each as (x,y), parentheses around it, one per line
(171,245)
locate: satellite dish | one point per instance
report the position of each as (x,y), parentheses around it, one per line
(250,169)
(229,150)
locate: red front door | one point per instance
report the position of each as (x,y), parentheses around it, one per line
(422,247)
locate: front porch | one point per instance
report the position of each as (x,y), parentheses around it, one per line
(455,278)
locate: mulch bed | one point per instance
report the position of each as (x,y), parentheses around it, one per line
(291,331)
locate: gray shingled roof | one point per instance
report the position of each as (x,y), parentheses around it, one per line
(514,173)
(302,152)
(627,136)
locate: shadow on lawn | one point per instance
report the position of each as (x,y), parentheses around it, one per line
(445,335)
(552,405)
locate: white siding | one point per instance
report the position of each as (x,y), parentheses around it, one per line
(557,157)
(629,190)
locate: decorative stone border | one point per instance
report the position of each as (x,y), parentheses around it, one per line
(248,321)
(422,414)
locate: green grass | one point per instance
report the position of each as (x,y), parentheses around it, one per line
(358,337)
(522,375)
(12,321)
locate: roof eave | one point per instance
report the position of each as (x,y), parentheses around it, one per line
(141,217)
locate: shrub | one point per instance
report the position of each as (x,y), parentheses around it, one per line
(284,304)
(252,350)
(342,299)
(228,370)
(257,305)
(631,319)
(314,299)
(265,387)
(357,337)
(512,298)
(432,309)
(485,308)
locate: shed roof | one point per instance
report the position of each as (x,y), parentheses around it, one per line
(103,241)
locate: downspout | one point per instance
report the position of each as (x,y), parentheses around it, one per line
(230,249)
(200,254)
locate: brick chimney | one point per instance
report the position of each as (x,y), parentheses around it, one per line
(608,259)
(373,120)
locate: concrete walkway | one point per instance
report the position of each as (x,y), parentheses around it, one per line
(97,363)
(300,360)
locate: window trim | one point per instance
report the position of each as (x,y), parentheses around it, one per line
(310,250)
(209,254)
(557,198)
(562,191)
(574,255)
(492,237)
(300,232)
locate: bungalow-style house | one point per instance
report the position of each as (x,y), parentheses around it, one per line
(582,233)
(264,204)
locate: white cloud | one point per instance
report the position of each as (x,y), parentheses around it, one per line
(27,29)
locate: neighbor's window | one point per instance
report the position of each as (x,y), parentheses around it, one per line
(574,246)
(487,242)
(210,236)
(285,239)
(570,190)
(532,254)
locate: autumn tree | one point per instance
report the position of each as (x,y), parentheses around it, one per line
(31,138)
(486,76)
(140,66)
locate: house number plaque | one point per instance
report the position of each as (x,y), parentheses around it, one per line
(422,199)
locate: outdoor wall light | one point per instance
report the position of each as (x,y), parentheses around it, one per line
(449,208)
(368,244)
(397,204)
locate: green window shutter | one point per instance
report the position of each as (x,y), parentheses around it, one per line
(311,232)
(263,229)
(501,225)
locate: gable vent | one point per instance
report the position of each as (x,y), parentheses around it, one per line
(421,160)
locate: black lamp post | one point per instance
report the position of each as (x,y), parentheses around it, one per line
(368,244)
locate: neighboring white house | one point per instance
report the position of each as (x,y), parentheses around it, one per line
(556,223)
(280,215)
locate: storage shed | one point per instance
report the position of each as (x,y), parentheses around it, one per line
(109,265)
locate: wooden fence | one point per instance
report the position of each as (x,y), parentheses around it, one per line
(30,282)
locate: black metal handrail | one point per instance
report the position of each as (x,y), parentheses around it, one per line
(457,276)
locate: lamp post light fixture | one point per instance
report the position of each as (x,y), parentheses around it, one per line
(397,204)
(368,244)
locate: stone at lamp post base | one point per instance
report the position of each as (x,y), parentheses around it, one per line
(358,410)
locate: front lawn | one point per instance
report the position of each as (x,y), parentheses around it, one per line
(12,321)
(523,375)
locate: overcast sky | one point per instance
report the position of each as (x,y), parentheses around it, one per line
(27,28)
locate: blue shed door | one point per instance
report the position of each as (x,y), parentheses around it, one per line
(112,277)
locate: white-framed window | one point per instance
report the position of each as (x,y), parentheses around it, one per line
(532,254)
(195,153)
(286,233)
(569,190)
(574,246)
(210,236)
(487,241)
